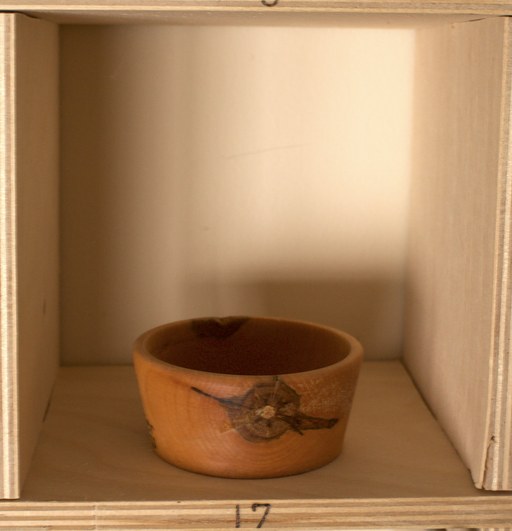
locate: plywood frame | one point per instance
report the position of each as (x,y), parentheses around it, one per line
(110,7)
(28,238)
(458,310)
(8,315)
(497,473)
(85,455)
(500,380)
(303,515)
(409,476)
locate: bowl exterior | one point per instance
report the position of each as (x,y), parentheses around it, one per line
(247,426)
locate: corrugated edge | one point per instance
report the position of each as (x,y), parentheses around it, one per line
(496,473)
(9,487)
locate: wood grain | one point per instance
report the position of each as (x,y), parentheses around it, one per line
(231,425)
(498,465)
(458,302)
(319,13)
(94,446)
(397,469)
(29,234)
(484,7)
(306,515)
(9,486)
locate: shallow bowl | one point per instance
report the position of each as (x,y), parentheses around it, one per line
(247,397)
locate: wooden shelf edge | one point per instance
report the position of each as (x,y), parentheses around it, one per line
(84,449)
(468,512)
(376,6)
(498,456)
(9,462)
(500,7)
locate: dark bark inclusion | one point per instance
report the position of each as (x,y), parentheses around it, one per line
(267,411)
(151,431)
(220,327)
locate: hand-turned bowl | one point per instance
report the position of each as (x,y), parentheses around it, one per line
(247,397)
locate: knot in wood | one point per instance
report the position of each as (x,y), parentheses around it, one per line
(267,412)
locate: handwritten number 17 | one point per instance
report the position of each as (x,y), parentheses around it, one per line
(254,507)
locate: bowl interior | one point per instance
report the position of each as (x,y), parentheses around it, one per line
(247,346)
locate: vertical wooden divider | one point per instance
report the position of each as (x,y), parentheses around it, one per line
(458,295)
(9,484)
(28,238)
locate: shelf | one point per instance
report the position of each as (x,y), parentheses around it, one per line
(94,460)
(94,446)
(127,11)
(149,170)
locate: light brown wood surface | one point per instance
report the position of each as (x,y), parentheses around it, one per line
(458,291)
(8,315)
(29,212)
(498,474)
(319,13)
(37,171)
(127,7)
(304,515)
(397,468)
(311,14)
(93,467)
(248,397)
(94,446)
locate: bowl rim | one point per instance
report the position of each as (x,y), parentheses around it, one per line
(355,353)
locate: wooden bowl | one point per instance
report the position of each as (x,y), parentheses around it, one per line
(244,397)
